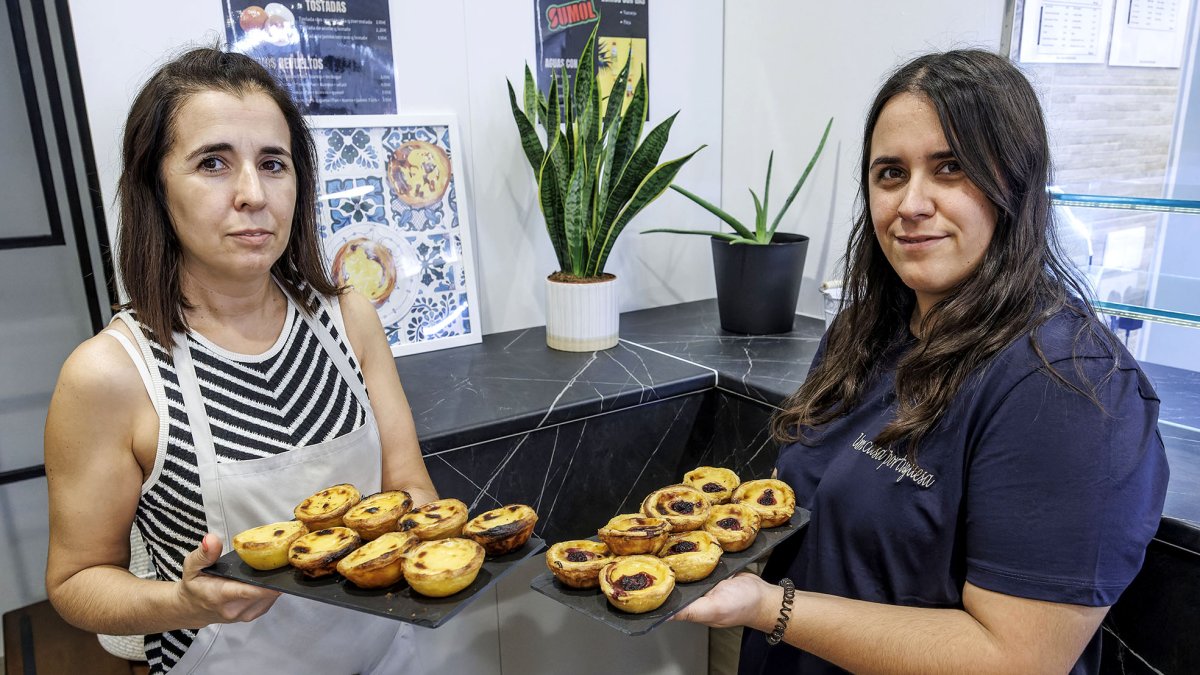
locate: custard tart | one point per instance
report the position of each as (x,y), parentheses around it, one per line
(685,507)
(578,563)
(734,526)
(637,583)
(442,567)
(773,499)
(691,555)
(316,554)
(266,547)
(716,483)
(327,507)
(633,534)
(436,520)
(379,513)
(378,563)
(502,530)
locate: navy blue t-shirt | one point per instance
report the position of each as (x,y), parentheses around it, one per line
(1025,488)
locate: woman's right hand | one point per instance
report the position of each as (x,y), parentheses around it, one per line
(212,599)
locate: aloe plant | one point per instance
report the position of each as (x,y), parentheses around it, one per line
(762,232)
(593,174)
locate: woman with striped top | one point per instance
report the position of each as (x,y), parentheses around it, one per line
(234,384)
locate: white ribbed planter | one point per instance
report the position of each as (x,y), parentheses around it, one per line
(582,317)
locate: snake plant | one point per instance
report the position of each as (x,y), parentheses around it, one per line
(593,174)
(762,232)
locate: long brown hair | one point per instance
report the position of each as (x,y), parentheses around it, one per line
(993,123)
(148,252)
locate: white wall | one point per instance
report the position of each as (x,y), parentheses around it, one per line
(789,67)
(476,45)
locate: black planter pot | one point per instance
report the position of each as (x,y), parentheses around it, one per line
(757,286)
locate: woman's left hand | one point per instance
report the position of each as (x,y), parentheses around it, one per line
(741,600)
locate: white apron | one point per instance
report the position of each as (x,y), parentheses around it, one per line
(296,635)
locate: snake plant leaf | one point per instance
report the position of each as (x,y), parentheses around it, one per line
(590,124)
(605,170)
(616,95)
(651,188)
(550,198)
(532,111)
(800,183)
(560,179)
(530,143)
(644,160)
(550,122)
(717,211)
(576,207)
(585,74)
(569,115)
(631,126)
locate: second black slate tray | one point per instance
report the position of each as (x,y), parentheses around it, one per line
(593,603)
(400,602)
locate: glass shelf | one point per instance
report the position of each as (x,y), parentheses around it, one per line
(1127,203)
(1133,250)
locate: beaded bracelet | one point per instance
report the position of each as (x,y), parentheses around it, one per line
(785,611)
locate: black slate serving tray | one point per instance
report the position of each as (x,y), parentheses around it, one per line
(593,603)
(398,602)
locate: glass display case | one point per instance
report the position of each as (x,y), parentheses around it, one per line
(1141,254)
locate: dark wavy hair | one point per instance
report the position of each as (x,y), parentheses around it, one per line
(993,123)
(148,251)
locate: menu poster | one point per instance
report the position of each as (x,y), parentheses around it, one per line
(563,28)
(334,56)
(1149,33)
(1065,31)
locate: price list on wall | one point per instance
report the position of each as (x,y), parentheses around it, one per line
(1149,33)
(1065,31)
(334,56)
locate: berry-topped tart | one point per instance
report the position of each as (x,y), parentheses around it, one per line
(773,499)
(577,563)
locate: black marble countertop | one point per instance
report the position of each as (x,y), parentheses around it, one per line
(512,383)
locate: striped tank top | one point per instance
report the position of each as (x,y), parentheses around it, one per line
(290,396)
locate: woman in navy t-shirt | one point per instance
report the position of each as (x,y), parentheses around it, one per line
(980,455)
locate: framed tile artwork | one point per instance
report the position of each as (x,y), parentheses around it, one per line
(393,224)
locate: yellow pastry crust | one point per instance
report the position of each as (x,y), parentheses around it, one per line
(443,567)
(685,507)
(577,563)
(634,533)
(717,483)
(266,547)
(637,583)
(316,554)
(502,530)
(378,563)
(327,508)
(691,555)
(436,520)
(379,513)
(734,526)
(773,499)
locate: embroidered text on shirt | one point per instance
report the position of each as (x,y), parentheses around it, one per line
(891,460)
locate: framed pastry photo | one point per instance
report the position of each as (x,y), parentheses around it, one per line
(393,225)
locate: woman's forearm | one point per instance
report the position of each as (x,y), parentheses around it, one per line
(110,600)
(1012,635)
(865,637)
